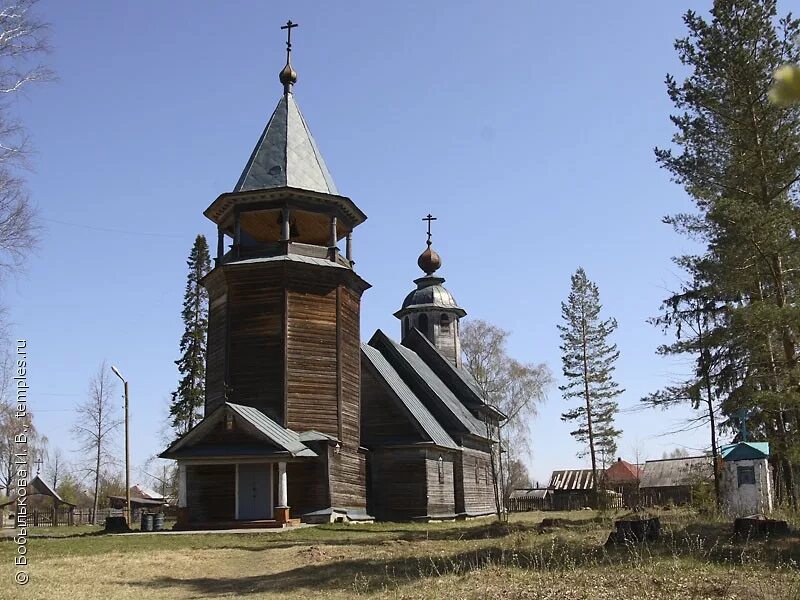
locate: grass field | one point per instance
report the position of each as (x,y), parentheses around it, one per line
(471,560)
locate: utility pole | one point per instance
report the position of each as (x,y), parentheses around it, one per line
(128,511)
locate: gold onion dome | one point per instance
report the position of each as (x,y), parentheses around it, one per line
(429,261)
(288,76)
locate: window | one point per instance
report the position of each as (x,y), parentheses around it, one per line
(405,326)
(746,475)
(422,324)
(444,323)
(229,422)
(441,469)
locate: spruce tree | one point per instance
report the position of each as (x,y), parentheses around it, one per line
(588,365)
(188,400)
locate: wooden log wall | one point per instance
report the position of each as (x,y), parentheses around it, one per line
(382,421)
(349,336)
(210,492)
(441,489)
(255,339)
(307,484)
(216,340)
(397,484)
(476,482)
(348,478)
(312,399)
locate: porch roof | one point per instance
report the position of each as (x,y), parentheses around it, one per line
(277,440)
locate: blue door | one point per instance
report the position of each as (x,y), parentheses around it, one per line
(255,491)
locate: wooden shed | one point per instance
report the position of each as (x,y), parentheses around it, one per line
(671,480)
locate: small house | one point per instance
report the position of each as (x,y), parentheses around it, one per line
(40,499)
(524,499)
(572,488)
(673,480)
(745,484)
(623,478)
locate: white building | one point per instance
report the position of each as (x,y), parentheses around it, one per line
(745,483)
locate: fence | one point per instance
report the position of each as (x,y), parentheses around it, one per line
(523,503)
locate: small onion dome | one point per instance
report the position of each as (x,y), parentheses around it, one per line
(288,76)
(429,261)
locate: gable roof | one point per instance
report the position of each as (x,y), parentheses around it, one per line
(571,479)
(676,472)
(745,451)
(285,440)
(431,390)
(413,406)
(458,379)
(286,155)
(622,471)
(37,485)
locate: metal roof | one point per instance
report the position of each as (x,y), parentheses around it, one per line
(301,258)
(430,295)
(403,393)
(534,494)
(676,472)
(745,451)
(286,440)
(286,155)
(572,479)
(437,388)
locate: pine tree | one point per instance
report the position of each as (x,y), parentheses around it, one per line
(190,395)
(738,156)
(588,364)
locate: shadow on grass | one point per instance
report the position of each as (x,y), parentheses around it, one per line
(366,575)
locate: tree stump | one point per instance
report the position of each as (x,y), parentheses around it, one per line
(759,526)
(635,530)
(116,525)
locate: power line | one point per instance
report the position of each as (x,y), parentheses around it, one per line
(120,231)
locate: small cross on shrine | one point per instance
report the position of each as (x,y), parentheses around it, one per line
(39,462)
(429,219)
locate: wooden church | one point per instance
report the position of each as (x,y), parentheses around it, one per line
(302,420)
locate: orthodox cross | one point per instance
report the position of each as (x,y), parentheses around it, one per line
(742,414)
(39,464)
(429,219)
(288,27)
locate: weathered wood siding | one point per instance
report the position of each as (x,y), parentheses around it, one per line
(210,492)
(348,478)
(382,421)
(350,366)
(307,484)
(474,495)
(216,340)
(440,483)
(311,350)
(397,484)
(255,340)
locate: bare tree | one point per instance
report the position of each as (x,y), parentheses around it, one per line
(98,420)
(56,467)
(514,388)
(23,38)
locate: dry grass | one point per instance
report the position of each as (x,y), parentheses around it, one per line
(477,559)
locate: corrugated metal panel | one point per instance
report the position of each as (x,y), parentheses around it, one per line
(283,437)
(421,414)
(572,479)
(675,472)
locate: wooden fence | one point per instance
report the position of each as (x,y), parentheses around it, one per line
(525,504)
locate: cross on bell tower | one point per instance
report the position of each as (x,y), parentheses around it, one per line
(288,76)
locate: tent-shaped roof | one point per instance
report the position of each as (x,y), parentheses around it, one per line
(286,155)
(745,451)
(273,438)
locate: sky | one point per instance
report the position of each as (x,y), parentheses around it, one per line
(526,127)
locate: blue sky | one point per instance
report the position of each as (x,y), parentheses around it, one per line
(526,127)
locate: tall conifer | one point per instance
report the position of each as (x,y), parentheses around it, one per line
(188,400)
(588,364)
